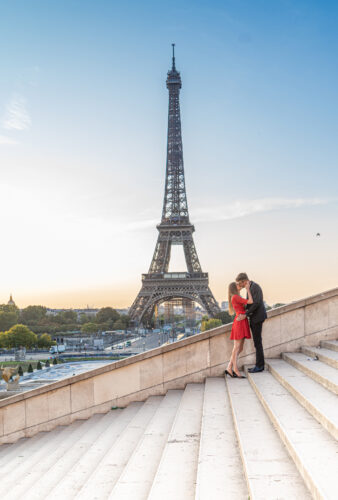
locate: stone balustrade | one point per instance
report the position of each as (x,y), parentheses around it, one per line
(305,322)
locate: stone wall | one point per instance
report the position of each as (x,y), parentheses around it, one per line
(287,328)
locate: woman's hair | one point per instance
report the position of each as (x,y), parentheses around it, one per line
(232,290)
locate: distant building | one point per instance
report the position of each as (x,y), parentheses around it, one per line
(11,301)
(88,312)
(224,305)
(53,312)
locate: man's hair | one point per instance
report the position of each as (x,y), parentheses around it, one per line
(242,277)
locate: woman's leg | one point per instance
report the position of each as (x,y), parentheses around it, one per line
(232,366)
(240,349)
(229,367)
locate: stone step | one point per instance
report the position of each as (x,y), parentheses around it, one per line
(74,479)
(101,482)
(176,474)
(317,400)
(136,480)
(219,465)
(269,470)
(4,447)
(32,474)
(312,448)
(25,460)
(18,455)
(325,355)
(84,437)
(320,372)
(16,448)
(332,345)
(85,464)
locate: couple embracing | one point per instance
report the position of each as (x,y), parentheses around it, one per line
(250,309)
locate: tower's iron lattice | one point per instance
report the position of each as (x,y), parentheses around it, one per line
(158,285)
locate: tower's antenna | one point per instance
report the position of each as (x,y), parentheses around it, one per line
(173,46)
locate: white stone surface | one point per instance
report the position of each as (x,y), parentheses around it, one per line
(317,370)
(136,480)
(326,355)
(75,478)
(330,344)
(176,474)
(88,433)
(28,479)
(108,470)
(19,448)
(313,449)
(321,403)
(220,468)
(26,459)
(269,470)
(263,436)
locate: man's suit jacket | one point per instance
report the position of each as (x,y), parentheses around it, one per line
(256,312)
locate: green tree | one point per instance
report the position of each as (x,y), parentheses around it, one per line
(20,371)
(279,304)
(44,340)
(107,314)
(33,314)
(21,335)
(9,316)
(89,328)
(225,317)
(47,363)
(119,325)
(210,323)
(125,320)
(66,317)
(30,368)
(3,340)
(83,318)
(39,365)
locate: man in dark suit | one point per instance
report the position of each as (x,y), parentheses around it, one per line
(256,314)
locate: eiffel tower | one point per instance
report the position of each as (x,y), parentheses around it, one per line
(158,285)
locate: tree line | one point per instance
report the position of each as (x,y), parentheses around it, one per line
(33,327)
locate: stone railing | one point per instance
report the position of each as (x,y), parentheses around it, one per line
(287,328)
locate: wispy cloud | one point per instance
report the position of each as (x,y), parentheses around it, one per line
(7,140)
(235,210)
(16,115)
(242,208)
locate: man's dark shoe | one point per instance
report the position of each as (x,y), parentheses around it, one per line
(256,369)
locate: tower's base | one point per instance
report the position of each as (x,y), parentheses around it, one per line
(160,287)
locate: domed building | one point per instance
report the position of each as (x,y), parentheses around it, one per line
(11,301)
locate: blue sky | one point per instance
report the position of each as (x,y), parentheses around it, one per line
(83,117)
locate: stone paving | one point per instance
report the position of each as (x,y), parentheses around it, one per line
(272,435)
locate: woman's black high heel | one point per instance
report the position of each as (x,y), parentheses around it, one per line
(230,374)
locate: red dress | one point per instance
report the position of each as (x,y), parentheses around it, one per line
(240,329)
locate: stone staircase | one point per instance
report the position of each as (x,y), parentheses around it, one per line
(270,436)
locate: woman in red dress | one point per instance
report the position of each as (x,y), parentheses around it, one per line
(240,328)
